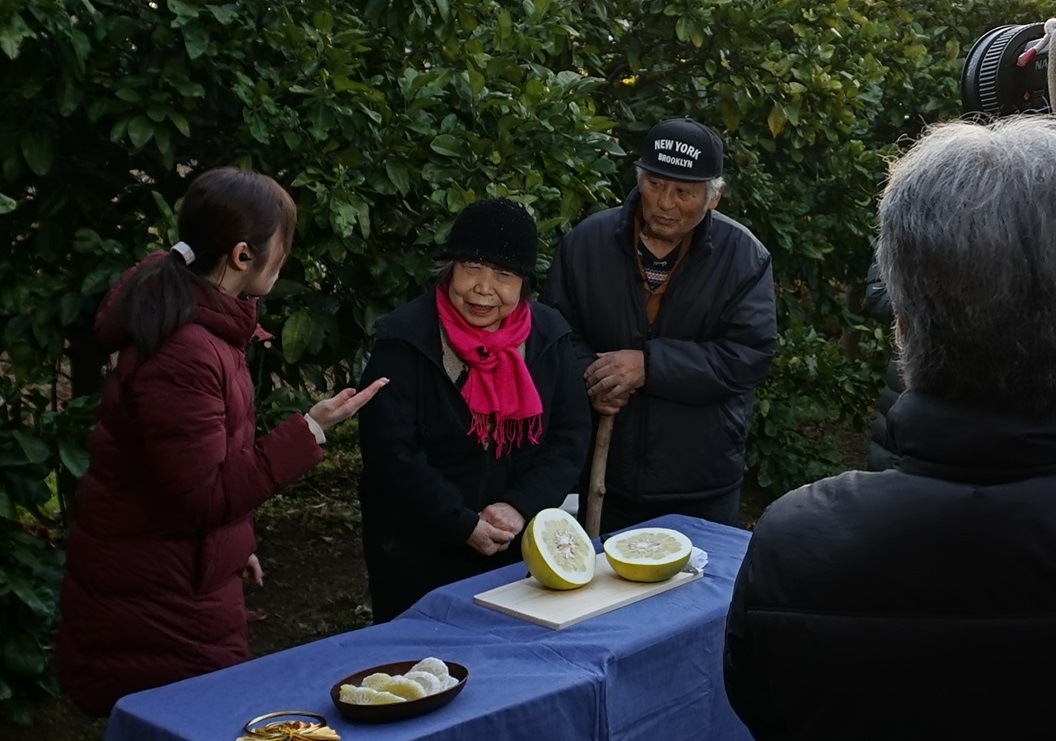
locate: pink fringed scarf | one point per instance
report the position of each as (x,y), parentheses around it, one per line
(499,390)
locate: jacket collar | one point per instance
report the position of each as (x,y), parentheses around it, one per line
(229,318)
(955,442)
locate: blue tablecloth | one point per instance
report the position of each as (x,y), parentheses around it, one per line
(650,669)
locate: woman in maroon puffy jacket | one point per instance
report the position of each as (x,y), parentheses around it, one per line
(162,536)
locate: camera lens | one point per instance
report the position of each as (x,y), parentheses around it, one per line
(992,83)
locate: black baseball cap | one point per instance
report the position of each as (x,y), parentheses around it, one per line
(682,149)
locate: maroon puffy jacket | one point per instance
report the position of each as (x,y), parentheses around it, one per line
(163,528)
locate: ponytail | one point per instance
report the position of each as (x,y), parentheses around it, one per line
(156,300)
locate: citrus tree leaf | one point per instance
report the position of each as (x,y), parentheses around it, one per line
(296,335)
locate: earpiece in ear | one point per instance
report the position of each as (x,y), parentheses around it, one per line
(243,257)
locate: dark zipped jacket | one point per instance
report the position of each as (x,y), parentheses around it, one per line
(425,478)
(682,437)
(913,603)
(162,530)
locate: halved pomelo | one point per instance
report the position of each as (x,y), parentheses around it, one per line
(648,553)
(557,550)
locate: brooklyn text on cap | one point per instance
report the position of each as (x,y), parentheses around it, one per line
(683,149)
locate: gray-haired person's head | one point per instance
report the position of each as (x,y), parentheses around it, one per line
(714,186)
(967,249)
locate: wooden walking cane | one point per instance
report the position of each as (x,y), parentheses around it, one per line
(596,485)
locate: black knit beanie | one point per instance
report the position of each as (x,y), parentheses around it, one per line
(496,231)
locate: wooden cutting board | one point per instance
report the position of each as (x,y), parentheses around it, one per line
(529,600)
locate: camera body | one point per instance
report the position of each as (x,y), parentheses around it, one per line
(994,84)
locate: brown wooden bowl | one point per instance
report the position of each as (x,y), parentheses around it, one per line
(396,710)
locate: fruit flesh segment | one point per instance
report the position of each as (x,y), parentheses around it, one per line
(566,548)
(651,546)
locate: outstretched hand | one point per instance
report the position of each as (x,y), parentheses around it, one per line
(343,404)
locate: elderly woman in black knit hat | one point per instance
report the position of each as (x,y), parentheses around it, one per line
(484,421)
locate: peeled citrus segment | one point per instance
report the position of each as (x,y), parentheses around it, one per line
(408,689)
(433,666)
(386,698)
(427,677)
(354,695)
(429,682)
(648,553)
(376,681)
(557,550)
(348,693)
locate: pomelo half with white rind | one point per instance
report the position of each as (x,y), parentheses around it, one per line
(648,553)
(557,550)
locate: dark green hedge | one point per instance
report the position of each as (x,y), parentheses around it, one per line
(385,118)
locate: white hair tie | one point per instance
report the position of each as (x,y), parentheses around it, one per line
(185,251)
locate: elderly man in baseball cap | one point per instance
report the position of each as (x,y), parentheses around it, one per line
(672,309)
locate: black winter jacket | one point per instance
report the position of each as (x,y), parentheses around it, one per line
(682,436)
(425,478)
(917,603)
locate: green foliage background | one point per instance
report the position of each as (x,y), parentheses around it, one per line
(384,118)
